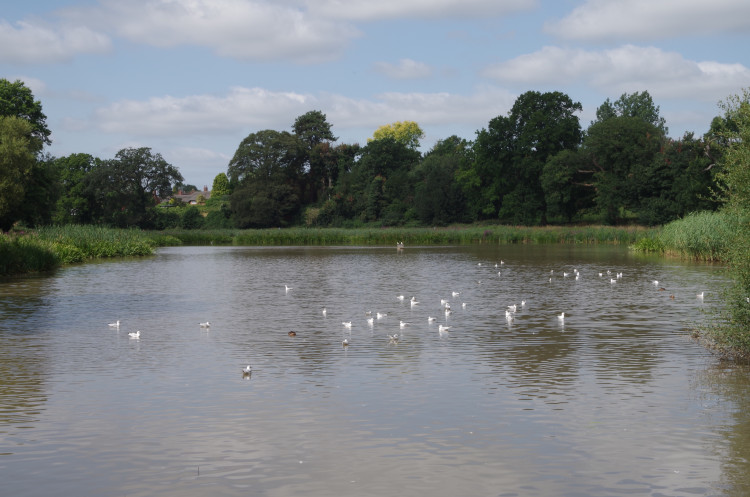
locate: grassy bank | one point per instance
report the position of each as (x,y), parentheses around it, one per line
(48,248)
(703,236)
(454,235)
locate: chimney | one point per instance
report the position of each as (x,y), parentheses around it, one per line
(205,188)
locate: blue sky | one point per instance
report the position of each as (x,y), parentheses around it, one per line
(192,78)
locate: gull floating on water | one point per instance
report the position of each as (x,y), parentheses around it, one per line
(247,370)
(431,319)
(347,324)
(287,288)
(205,325)
(344,342)
(400,297)
(700,295)
(402,324)
(561,317)
(393,338)
(137,334)
(456,294)
(443,329)
(325,311)
(116,324)
(370,321)
(512,308)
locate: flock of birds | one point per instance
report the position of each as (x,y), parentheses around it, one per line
(445,306)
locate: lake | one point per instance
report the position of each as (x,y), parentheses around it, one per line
(614,399)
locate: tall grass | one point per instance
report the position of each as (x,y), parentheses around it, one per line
(703,236)
(50,247)
(454,235)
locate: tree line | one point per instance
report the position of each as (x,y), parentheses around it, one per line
(534,166)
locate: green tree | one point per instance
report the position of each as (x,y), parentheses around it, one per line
(18,150)
(568,191)
(74,205)
(620,152)
(407,132)
(510,156)
(126,188)
(220,186)
(438,198)
(312,129)
(17,100)
(638,104)
(381,178)
(268,156)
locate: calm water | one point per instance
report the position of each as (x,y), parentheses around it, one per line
(615,400)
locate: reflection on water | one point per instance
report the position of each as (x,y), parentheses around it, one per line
(615,399)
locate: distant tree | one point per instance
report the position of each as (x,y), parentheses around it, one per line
(268,156)
(17,100)
(620,152)
(638,104)
(313,129)
(74,206)
(438,199)
(191,218)
(124,189)
(567,190)
(511,153)
(381,178)
(220,186)
(18,150)
(407,132)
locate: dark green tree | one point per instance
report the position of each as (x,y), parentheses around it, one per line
(18,152)
(568,190)
(74,205)
(125,189)
(638,104)
(510,156)
(438,198)
(17,100)
(312,129)
(620,152)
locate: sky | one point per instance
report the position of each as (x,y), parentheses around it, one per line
(192,78)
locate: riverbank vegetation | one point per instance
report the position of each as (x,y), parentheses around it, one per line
(47,248)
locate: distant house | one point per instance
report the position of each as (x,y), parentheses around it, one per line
(192,197)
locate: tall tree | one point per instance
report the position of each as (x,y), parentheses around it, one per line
(220,186)
(638,104)
(510,156)
(407,132)
(74,205)
(438,198)
(17,100)
(18,150)
(313,129)
(124,189)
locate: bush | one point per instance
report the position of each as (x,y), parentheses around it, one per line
(191,219)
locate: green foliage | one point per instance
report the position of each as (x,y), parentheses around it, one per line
(16,100)
(220,186)
(17,159)
(639,105)
(701,235)
(313,129)
(49,247)
(406,132)
(124,190)
(191,218)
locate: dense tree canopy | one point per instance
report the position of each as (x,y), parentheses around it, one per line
(17,100)
(18,149)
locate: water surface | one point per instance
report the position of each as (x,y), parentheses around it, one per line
(614,400)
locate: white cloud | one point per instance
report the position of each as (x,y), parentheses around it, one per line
(246,110)
(405,69)
(29,43)
(620,20)
(240,29)
(624,69)
(369,10)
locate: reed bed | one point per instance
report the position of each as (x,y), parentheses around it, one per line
(454,235)
(51,247)
(705,236)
